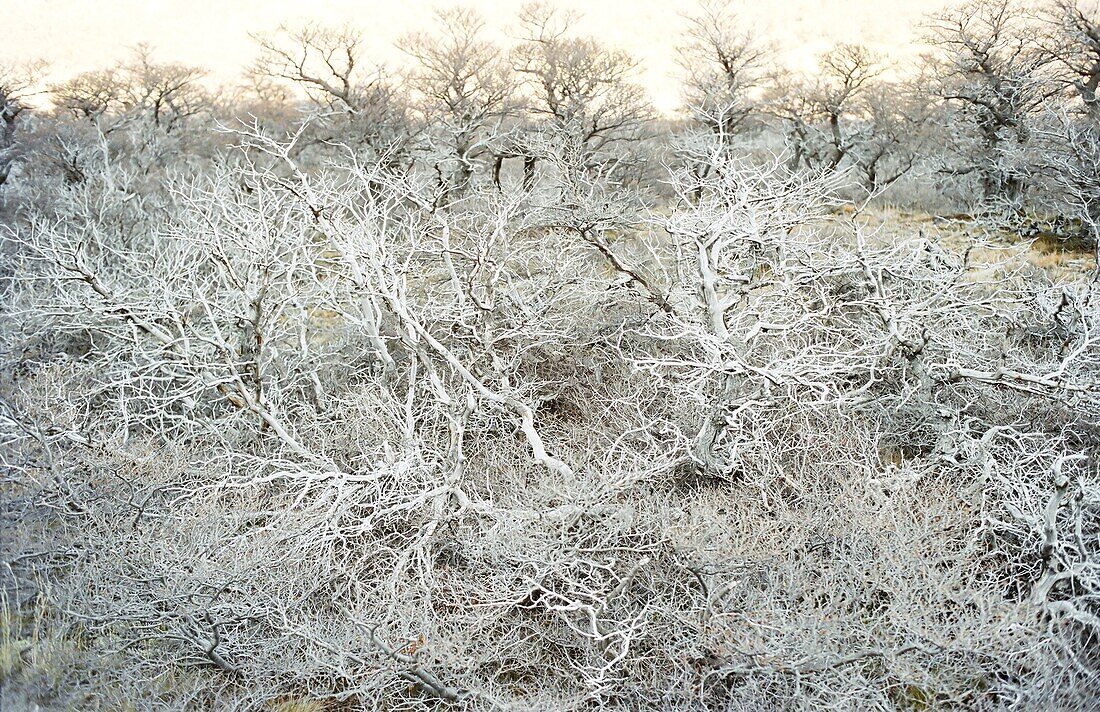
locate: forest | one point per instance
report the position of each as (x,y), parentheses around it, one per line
(474,382)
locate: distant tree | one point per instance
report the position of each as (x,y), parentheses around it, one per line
(847,72)
(322,61)
(89,95)
(464,86)
(580,90)
(166,93)
(351,106)
(1066,149)
(16,87)
(986,69)
(161,95)
(1071,43)
(145,113)
(1066,154)
(825,115)
(725,66)
(896,117)
(271,102)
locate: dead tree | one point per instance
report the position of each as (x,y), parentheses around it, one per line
(580,91)
(725,66)
(464,86)
(1071,43)
(986,69)
(17,85)
(825,116)
(352,105)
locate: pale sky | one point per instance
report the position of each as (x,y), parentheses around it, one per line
(77,35)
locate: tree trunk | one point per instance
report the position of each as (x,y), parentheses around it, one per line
(498,163)
(528,172)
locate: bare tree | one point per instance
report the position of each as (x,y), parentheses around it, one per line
(986,68)
(144,113)
(580,90)
(89,95)
(847,72)
(162,94)
(352,105)
(1066,154)
(168,93)
(17,85)
(897,117)
(826,117)
(465,87)
(1072,45)
(725,67)
(323,61)
(1066,149)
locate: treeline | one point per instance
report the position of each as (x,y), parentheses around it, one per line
(1001,112)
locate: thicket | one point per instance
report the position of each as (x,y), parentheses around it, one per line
(480,387)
